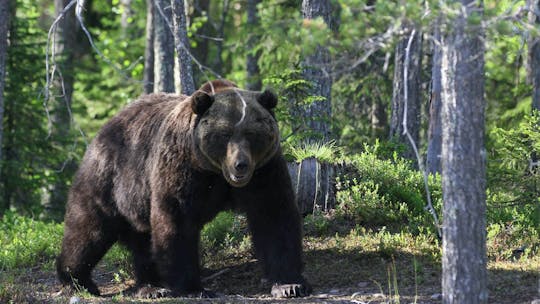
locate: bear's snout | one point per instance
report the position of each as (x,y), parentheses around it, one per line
(238,166)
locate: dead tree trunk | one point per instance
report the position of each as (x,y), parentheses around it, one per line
(4,29)
(148,76)
(187,86)
(163,47)
(312,185)
(253,75)
(414,96)
(433,157)
(464,160)
(65,44)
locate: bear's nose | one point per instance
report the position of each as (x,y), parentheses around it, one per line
(241,166)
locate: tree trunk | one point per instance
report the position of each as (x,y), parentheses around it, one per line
(413,97)
(534,55)
(163,47)
(316,116)
(187,86)
(218,60)
(464,160)
(534,64)
(253,74)
(200,51)
(378,118)
(433,157)
(4,29)
(313,189)
(65,44)
(148,76)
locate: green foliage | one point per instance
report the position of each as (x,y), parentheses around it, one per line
(387,192)
(102,87)
(513,182)
(28,152)
(226,229)
(26,242)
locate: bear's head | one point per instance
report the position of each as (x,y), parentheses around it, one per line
(236,131)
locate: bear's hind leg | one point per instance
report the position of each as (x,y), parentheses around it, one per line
(86,239)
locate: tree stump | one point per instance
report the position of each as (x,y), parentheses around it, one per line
(313,184)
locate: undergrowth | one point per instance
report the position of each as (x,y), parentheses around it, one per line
(378,198)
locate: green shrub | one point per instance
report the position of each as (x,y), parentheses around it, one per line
(25,242)
(386,192)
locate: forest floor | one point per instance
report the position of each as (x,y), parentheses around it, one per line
(355,267)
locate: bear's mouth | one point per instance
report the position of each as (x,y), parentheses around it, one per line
(235,179)
(239,180)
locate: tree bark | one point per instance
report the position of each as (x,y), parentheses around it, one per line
(414,96)
(65,44)
(534,55)
(163,47)
(4,29)
(433,157)
(148,76)
(316,116)
(187,86)
(253,74)
(464,160)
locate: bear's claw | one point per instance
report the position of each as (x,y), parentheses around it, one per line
(289,290)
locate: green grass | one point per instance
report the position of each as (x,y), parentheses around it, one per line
(325,152)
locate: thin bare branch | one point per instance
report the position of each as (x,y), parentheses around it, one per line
(429,205)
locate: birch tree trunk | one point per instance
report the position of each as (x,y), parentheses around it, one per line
(463,160)
(148,76)
(163,47)
(253,73)
(414,96)
(4,29)
(316,116)
(187,86)
(433,157)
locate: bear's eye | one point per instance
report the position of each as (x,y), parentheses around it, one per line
(220,136)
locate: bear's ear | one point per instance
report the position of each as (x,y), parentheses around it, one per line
(267,99)
(201,102)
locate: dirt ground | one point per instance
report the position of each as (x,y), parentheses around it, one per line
(337,276)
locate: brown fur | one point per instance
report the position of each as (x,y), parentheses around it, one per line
(217,86)
(157,172)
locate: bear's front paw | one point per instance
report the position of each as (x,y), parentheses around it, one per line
(153,292)
(290,290)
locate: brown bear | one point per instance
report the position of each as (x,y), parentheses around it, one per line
(166,165)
